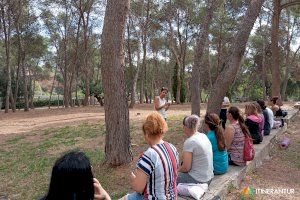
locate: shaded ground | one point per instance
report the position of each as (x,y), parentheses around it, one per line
(281,171)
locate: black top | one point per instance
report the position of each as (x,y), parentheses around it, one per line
(267,126)
(254,131)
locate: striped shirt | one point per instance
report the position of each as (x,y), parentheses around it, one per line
(157,163)
(236,150)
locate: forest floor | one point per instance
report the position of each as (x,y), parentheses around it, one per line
(31,142)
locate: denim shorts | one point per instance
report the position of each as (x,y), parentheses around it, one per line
(135,196)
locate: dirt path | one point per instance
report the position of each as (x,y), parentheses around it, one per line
(21,122)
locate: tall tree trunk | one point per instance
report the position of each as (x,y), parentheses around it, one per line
(87,89)
(208,68)
(21,52)
(6,26)
(200,46)
(226,77)
(287,74)
(52,87)
(85,22)
(31,89)
(66,89)
(117,141)
(15,93)
(178,89)
(26,108)
(144,46)
(66,62)
(134,73)
(276,76)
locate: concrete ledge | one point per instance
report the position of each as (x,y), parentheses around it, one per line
(218,188)
(297,105)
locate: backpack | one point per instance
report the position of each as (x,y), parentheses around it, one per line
(249,152)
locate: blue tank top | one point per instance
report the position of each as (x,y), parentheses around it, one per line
(220,158)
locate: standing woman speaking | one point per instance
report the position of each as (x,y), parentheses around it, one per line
(160,103)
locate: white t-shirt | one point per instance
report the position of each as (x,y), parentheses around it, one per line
(226,100)
(202,163)
(271,117)
(162,111)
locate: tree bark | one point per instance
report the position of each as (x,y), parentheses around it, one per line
(276,76)
(134,74)
(117,141)
(201,42)
(287,74)
(31,89)
(6,26)
(144,43)
(226,77)
(85,21)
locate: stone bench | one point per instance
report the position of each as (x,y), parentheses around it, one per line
(220,183)
(297,105)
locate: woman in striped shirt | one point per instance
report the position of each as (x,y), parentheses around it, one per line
(156,172)
(235,137)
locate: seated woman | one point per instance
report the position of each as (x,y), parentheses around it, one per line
(252,122)
(215,135)
(267,124)
(262,117)
(72,178)
(197,165)
(235,137)
(276,104)
(156,172)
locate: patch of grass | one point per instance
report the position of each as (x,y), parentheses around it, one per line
(176,118)
(25,165)
(97,156)
(15,140)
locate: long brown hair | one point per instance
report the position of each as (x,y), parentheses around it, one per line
(214,123)
(235,113)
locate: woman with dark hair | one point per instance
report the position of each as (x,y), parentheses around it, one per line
(197,165)
(276,104)
(72,179)
(252,122)
(267,126)
(161,105)
(235,137)
(215,134)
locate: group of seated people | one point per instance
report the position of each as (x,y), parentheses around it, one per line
(158,170)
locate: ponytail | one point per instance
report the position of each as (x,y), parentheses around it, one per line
(235,113)
(243,126)
(214,123)
(220,137)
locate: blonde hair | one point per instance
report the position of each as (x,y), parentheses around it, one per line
(155,125)
(251,109)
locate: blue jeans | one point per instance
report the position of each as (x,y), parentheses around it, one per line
(135,196)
